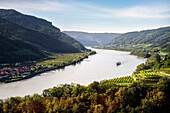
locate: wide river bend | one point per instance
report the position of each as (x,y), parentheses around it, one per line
(95,68)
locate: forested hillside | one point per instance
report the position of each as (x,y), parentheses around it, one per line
(92,39)
(40,25)
(39,39)
(16,50)
(156,39)
(95,98)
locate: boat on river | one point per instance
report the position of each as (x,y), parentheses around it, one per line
(118,63)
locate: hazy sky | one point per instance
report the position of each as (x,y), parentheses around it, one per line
(116,16)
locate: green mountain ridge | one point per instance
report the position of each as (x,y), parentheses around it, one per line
(155,38)
(40,25)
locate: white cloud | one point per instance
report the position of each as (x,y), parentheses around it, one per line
(41,6)
(91,11)
(140,12)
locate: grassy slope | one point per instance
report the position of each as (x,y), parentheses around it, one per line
(63,59)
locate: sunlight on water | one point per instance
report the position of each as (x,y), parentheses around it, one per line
(96,68)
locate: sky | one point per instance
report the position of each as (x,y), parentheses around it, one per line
(113,16)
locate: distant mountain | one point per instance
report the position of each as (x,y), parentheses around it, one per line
(92,39)
(40,25)
(16,50)
(155,38)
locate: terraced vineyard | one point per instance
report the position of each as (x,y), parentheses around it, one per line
(124,80)
(137,76)
(147,76)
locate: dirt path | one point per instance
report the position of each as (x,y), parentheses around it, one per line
(165,73)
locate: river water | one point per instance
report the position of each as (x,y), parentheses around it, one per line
(95,68)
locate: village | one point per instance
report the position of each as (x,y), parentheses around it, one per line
(20,71)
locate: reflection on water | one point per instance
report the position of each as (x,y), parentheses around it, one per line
(96,68)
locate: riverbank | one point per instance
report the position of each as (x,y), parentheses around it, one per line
(58,61)
(148,72)
(116,49)
(97,97)
(96,68)
(140,52)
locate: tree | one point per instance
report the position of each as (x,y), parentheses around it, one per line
(98,108)
(93,87)
(140,67)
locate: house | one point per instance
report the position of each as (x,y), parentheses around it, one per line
(6,69)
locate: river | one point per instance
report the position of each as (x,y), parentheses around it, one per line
(95,68)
